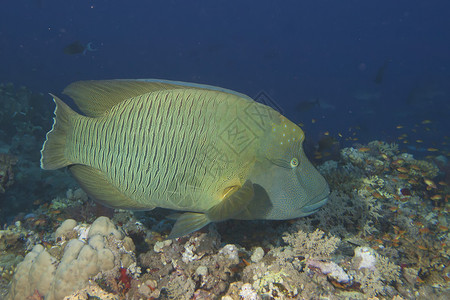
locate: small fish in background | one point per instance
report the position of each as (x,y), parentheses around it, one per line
(156,143)
(304,106)
(424,94)
(380,73)
(325,105)
(326,143)
(78,48)
(326,148)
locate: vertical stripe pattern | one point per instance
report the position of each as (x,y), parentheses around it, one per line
(156,148)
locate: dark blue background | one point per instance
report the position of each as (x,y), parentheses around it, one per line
(293,50)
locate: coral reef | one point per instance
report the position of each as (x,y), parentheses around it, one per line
(312,245)
(383,234)
(15,241)
(66,266)
(25,117)
(6,170)
(92,291)
(373,271)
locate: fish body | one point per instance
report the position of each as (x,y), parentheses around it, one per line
(211,152)
(380,73)
(304,106)
(78,48)
(74,48)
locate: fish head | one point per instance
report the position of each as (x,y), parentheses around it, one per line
(285,177)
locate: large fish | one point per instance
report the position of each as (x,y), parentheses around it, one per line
(214,153)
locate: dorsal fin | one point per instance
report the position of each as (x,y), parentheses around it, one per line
(97,96)
(185,85)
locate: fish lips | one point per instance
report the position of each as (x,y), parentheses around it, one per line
(313,207)
(316,202)
(279,212)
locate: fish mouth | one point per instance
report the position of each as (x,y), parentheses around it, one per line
(314,207)
(315,203)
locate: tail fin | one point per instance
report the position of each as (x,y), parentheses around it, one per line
(52,153)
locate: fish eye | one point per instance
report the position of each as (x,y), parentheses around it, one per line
(294,162)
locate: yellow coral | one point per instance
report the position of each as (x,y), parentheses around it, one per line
(386,148)
(374,181)
(267,281)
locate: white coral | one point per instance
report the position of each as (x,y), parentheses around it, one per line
(365,258)
(231,252)
(248,293)
(331,269)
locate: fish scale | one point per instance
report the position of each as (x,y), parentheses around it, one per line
(163,127)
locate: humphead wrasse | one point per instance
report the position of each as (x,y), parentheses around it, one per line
(211,152)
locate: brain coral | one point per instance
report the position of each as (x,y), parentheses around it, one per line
(105,248)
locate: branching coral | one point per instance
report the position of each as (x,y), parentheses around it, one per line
(385,148)
(373,271)
(312,245)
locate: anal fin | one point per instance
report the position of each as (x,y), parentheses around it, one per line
(95,184)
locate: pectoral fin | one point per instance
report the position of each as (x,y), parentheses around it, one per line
(231,205)
(258,208)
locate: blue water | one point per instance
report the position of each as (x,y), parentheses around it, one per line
(356,71)
(293,51)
